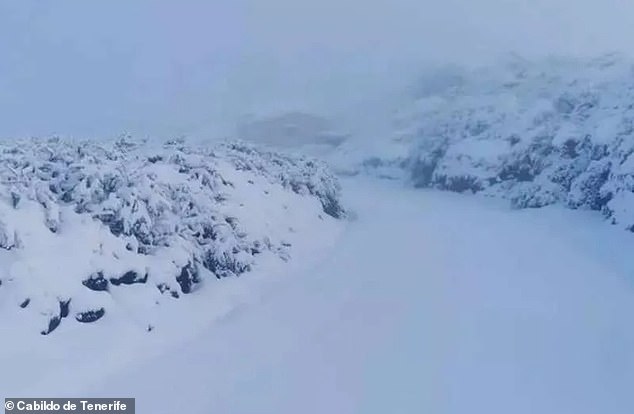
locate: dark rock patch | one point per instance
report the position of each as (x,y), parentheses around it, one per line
(90,316)
(129,278)
(64,308)
(188,278)
(15,199)
(163,288)
(53,323)
(97,282)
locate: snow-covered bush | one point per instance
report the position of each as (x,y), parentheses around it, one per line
(79,220)
(536,133)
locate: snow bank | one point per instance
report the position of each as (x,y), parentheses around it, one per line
(536,133)
(81,224)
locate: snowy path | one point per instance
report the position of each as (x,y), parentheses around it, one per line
(434,303)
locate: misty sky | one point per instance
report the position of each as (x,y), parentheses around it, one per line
(165,67)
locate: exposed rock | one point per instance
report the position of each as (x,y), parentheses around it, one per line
(64,308)
(128,278)
(53,323)
(90,316)
(188,278)
(97,282)
(163,288)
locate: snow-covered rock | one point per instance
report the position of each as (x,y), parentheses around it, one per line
(536,133)
(81,222)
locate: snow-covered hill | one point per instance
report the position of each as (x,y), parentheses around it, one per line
(536,133)
(86,229)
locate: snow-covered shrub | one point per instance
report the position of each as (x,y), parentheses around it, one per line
(79,220)
(536,133)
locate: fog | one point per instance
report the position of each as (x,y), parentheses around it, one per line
(160,68)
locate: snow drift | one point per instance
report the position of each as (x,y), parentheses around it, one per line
(536,133)
(80,222)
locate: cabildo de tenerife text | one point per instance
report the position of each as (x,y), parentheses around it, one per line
(70,405)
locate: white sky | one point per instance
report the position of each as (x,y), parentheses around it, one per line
(163,67)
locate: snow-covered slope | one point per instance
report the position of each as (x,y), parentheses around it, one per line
(536,133)
(88,229)
(431,303)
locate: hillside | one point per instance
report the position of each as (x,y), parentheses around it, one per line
(86,229)
(555,131)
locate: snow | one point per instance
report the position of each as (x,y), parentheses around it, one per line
(124,228)
(549,131)
(239,279)
(428,302)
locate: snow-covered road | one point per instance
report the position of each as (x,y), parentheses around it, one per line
(432,303)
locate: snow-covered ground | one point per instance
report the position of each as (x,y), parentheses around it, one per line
(235,279)
(550,131)
(239,278)
(429,302)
